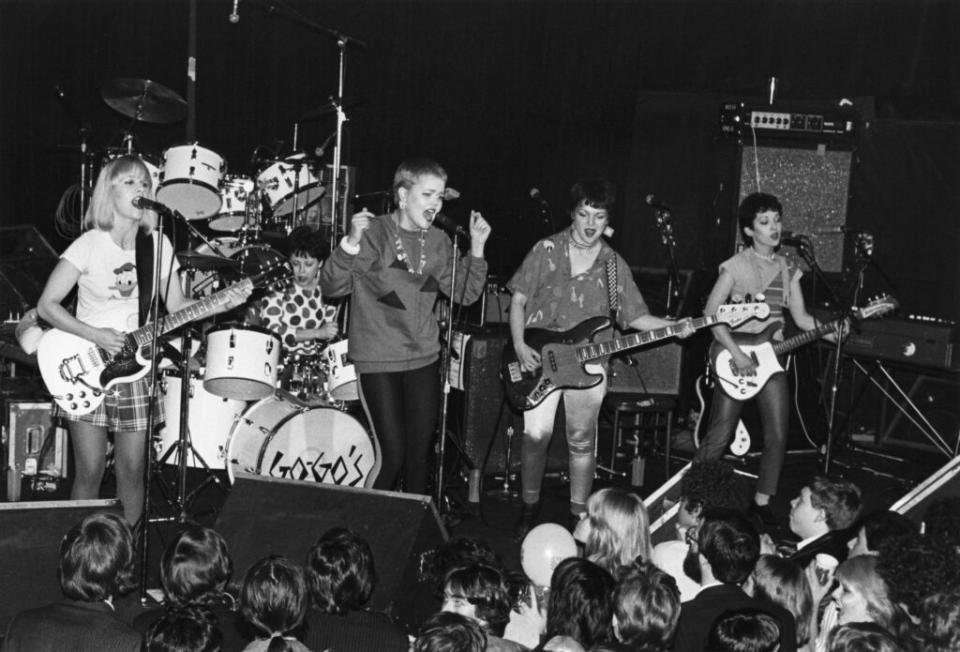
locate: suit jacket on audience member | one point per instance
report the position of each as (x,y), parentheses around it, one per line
(356,631)
(71,626)
(833,543)
(698,615)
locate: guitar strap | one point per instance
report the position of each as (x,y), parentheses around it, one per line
(144,253)
(612,297)
(785,281)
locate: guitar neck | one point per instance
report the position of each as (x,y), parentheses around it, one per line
(597,350)
(197,310)
(803,338)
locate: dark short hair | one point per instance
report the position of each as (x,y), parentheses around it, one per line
(96,559)
(307,241)
(940,621)
(942,521)
(730,543)
(484,587)
(884,526)
(195,565)
(838,498)
(581,602)
(751,206)
(647,605)
(340,571)
(274,596)
(710,484)
(184,628)
(862,637)
(450,632)
(744,630)
(456,553)
(598,193)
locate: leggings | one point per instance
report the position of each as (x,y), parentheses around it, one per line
(774,407)
(402,407)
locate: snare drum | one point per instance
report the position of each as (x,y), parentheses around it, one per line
(241,362)
(233,208)
(208,424)
(286,184)
(190,181)
(281,437)
(341,374)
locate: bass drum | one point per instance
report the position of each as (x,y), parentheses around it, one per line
(281,437)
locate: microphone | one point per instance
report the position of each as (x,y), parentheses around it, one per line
(536,196)
(793,239)
(447,224)
(149,204)
(652,201)
(234,16)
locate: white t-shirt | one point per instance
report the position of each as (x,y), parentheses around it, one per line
(108,295)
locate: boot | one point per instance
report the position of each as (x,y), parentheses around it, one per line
(529,514)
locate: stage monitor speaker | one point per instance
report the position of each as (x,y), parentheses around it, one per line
(812,183)
(943,483)
(264,516)
(30,550)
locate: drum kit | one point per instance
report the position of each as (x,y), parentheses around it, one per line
(239,417)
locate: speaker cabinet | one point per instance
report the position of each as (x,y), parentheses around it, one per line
(655,370)
(264,516)
(30,549)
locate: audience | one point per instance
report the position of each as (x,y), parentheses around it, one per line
(184,628)
(274,601)
(341,577)
(615,530)
(646,607)
(939,621)
(821,516)
(783,582)
(450,632)
(877,529)
(580,605)
(862,637)
(479,592)
(941,523)
(744,630)
(723,553)
(96,568)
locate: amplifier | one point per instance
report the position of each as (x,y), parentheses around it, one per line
(36,446)
(923,343)
(737,119)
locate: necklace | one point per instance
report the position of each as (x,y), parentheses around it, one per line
(402,253)
(580,245)
(769,258)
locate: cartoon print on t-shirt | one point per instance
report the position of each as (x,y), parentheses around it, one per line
(126,280)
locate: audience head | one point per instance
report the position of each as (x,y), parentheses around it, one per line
(878,528)
(708,485)
(196,566)
(941,523)
(823,505)
(479,592)
(783,582)
(450,632)
(914,568)
(96,559)
(184,628)
(274,598)
(616,529)
(862,637)
(729,544)
(646,607)
(940,621)
(457,553)
(581,602)
(340,572)
(744,630)
(864,596)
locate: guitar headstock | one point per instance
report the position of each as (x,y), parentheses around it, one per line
(734,314)
(877,306)
(274,273)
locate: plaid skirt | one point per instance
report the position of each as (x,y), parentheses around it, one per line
(124,408)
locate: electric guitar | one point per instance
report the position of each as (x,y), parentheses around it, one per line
(764,353)
(564,354)
(77,372)
(705,386)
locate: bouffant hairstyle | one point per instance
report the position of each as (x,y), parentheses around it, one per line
(340,572)
(96,559)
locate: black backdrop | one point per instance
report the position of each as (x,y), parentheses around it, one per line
(512,95)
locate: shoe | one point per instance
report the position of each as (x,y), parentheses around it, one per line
(764,517)
(529,514)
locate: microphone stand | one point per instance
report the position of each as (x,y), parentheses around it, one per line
(673,271)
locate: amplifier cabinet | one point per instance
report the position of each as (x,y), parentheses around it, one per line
(925,344)
(35,444)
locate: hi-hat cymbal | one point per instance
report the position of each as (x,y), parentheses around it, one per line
(329,107)
(205,262)
(144,100)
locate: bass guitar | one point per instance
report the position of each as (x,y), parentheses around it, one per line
(77,372)
(765,354)
(565,354)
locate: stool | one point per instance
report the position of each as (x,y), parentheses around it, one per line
(636,419)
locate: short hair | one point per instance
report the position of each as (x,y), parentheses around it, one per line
(744,630)
(883,526)
(96,559)
(785,583)
(862,637)
(274,597)
(940,621)
(838,498)
(711,484)
(581,602)
(340,571)
(913,567)
(647,606)
(196,566)
(184,628)
(456,553)
(730,543)
(751,206)
(942,521)
(485,588)
(410,170)
(597,193)
(450,632)
(100,211)
(307,241)
(619,529)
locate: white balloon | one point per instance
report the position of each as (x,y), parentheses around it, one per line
(543,548)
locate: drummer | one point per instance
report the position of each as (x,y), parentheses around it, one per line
(297,313)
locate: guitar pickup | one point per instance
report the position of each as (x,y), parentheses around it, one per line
(516,375)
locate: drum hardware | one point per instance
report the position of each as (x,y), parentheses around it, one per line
(290,188)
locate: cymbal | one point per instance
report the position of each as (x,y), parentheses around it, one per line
(329,107)
(205,262)
(144,100)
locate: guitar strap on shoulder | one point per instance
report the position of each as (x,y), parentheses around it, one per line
(612,296)
(144,253)
(785,281)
